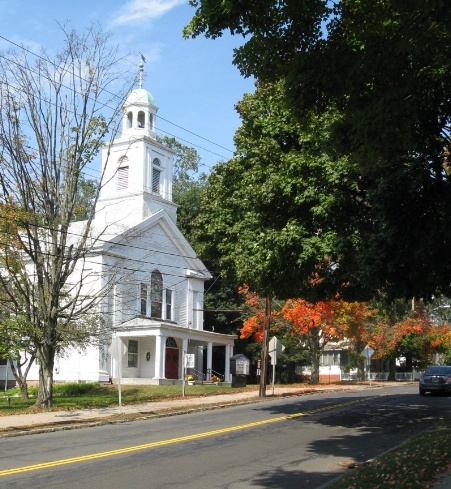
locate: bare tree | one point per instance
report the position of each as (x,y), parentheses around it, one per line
(52,125)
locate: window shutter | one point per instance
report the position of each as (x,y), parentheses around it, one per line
(122,177)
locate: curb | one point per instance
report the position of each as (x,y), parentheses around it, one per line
(53,427)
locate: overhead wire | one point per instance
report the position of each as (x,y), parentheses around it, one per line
(116,96)
(160,130)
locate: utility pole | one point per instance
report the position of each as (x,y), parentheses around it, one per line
(265,342)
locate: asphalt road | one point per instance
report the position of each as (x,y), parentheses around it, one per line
(300,442)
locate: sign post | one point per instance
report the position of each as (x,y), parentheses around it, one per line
(368,353)
(188,362)
(275,347)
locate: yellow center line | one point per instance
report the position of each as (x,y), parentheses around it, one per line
(170,441)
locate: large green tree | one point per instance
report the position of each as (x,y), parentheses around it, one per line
(386,63)
(382,68)
(283,214)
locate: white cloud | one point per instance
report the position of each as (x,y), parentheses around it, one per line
(138,11)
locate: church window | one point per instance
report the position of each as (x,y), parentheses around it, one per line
(156,170)
(133,353)
(129,120)
(168,303)
(156,294)
(143,299)
(154,300)
(141,119)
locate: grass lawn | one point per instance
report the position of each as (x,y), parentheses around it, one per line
(92,395)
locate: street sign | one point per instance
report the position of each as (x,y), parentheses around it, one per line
(367,352)
(189,360)
(275,348)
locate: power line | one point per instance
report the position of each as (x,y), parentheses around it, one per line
(114,95)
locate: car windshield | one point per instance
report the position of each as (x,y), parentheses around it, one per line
(438,371)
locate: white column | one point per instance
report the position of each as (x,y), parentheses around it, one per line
(228,354)
(163,358)
(160,350)
(209,359)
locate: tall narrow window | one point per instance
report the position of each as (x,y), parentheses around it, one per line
(122,173)
(130,120)
(143,299)
(156,170)
(168,304)
(133,353)
(141,119)
(156,294)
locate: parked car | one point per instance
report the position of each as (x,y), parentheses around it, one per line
(436,379)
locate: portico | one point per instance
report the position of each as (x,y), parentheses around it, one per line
(151,352)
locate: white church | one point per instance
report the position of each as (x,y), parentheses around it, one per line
(154,310)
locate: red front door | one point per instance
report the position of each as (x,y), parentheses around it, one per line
(172,363)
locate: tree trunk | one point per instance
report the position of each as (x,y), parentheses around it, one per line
(361,368)
(21,379)
(21,376)
(45,392)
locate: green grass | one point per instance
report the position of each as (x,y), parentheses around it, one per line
(414,465)
(93,395)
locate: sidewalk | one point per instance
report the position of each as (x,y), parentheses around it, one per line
(41,422)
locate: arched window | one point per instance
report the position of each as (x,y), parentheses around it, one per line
(129,120)
(141,119)
(154,300)
(156,170)
(156,294)
(171,343)
(122,173)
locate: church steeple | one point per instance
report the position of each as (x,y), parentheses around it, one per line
(140,111)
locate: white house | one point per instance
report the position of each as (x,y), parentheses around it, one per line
(154,310)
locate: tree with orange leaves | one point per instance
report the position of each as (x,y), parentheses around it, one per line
(416,336)
(315,324)
(254,310)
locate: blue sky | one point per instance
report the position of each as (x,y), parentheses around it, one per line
(193,81)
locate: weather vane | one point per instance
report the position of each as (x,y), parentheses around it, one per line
(141,70)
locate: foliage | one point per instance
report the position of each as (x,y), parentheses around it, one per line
(414,335)
(415,464)
(280,207)
(307,328)
(75,388)
(376,44)
(50,131)
(395,136)
(86,197)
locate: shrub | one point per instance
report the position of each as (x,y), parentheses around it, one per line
(74,388)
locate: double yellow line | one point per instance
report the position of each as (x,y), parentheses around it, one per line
(146,446)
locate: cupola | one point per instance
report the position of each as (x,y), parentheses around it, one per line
(139,112)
